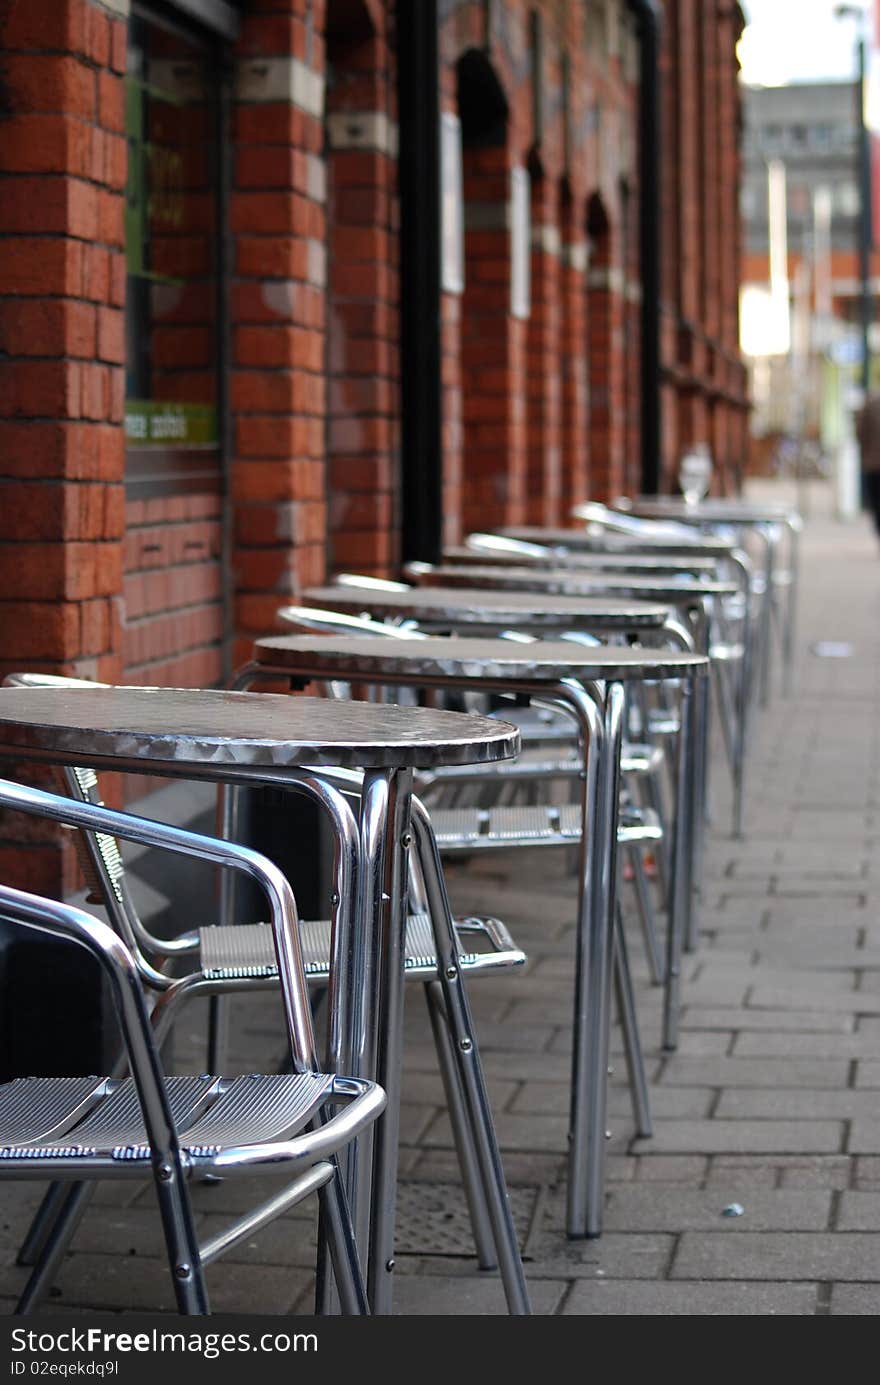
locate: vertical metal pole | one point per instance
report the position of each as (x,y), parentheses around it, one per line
(398,839)
(680,873)
(865,228)
(419,173)
(594,975)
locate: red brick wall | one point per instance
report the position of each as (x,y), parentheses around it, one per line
(606,288)
(493,352)
(705,389)
(363,326)
(575,401)
(278,385)
(62,285)
(538,413)
(544,387)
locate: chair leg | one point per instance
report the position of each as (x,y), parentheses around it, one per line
(347,1271)
(42,1223)
(470,1072)
(646,915)
(464,1143)
(55,1244)
(632,1044)
(651,796)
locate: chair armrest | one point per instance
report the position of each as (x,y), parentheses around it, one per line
(76,926)
(268,877)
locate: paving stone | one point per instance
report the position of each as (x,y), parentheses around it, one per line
(858,1210)
(834,1172)
(847,1002)
(854,1300)
(679,1299)
(142,1283)
(738,1136)
(631,1207)
(672,1168)
(782,1255)
(437,1295)
(864,1137)
(795,1104)
(867,1171)
(721,1017)
(532,1168)
(752,1072)
(630,1255)
(553,1098)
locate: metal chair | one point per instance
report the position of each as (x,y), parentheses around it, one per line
(82,1130)
(235,957)
(495,825)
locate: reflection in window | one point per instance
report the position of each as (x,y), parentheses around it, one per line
(171,234)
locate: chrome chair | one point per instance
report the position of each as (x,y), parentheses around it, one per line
(465,827)
(232,957)
(80,1130)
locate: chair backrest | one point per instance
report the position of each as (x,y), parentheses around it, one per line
(376,584)
(592,513)
(498,543)
(313,620)
(98,852)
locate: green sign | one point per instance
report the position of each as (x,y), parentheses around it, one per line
(154,423)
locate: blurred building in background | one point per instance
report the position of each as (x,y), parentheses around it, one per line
(290,286)
(801,197)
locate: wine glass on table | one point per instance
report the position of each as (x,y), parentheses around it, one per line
(695,474)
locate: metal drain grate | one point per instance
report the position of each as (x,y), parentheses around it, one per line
(432,1218)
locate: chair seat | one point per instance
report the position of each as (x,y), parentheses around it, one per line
(539,763)
(247,950)
(469,829)
(81,1118)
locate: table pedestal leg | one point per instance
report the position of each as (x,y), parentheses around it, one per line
(595,950)
(681,885)
(396,840)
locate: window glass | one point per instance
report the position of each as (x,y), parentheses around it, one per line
(171,247)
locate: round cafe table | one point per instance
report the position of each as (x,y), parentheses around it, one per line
(690,595)
(260,738)
(638,564)
(478,609)
(590,683)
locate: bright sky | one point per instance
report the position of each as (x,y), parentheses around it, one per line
(798,41)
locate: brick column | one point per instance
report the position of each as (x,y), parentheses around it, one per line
(62,289)
(543,351)
(363,325)
(493,352)
(605,333)
(573,363)
(278,312)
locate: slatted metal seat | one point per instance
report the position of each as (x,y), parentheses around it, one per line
(240,950)
(469,829)
(46,1118)
(80,1130)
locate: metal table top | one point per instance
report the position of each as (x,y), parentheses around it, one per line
(713,510)
(462,657)
(479,607)
(211,733)
(639,564)
(564,582)
(586,541)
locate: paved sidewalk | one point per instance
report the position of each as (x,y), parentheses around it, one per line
(772,1101)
